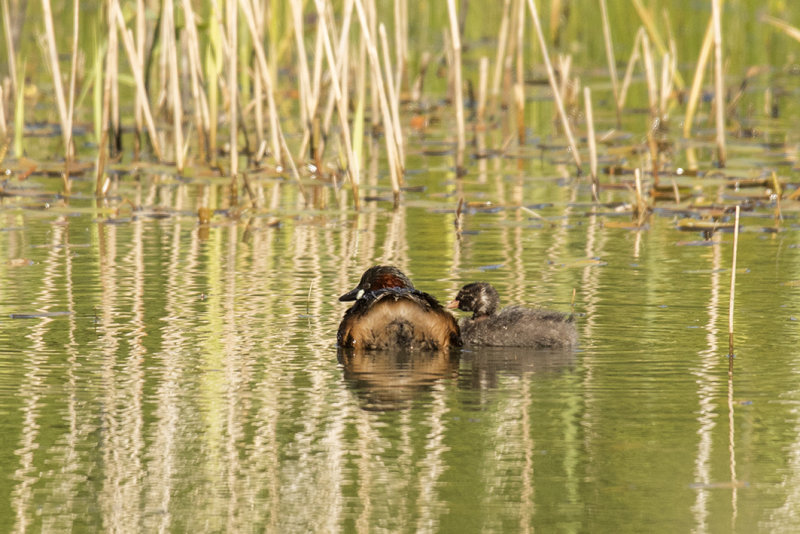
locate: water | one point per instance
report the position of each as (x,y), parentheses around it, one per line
(157,374)
(165,375)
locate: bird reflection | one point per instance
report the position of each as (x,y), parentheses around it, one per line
(391,380)
(481,367)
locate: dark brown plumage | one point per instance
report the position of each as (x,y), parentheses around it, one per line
(390,314)
(514,326)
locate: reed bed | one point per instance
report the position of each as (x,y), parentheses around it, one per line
(248,87)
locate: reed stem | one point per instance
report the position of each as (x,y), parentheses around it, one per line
(73,74)
(138,76)
(626,80)
(733,282)
(353,164)
(650,76)
(554,86)
(719,82)
(483,80)
(58,86)
(3,123)
(232,19)
(174,85)
(502,42)
(587,97)
(141,37)
(458,91)
(395,165)
(394,99)
(612,64)
(11,53)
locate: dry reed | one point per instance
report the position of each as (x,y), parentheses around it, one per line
(58,86)
(650,76)
(138,76)
(391,93)
(73,74)
(697,82)
(553,85)
(3,124)
(626,80)
(395,165)
(719,82)
(10,50)
(612,65)
(519,74)
(733,281)
(174,85)
(502,42)
(457,87)
(483,80)
(232,19)
(353,163)
(587,97)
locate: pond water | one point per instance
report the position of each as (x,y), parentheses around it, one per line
(162,374)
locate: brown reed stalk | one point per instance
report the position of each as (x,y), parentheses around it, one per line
(353,164)
(458,89)
(101,180)
(719,82)
(303,77)
(552,78)
(519,77)
(778,191)
(782,25)
(3,123)
(138,76)
(263,65)
(483,80)
(650,76)
(697,82)
(612,65)
(502,42)
(200,102)
(640,210)
(10,52)
(587,98)
(564,63)
(733,281)
(19,113)
(655,37)
(73,74)
(319,60)
(395,165)
(652,144)
(400,43)
(675,191)
(52,55)
(140,38)
(371,14)
(666,85)
(635,56)
(174,84)
(232,19)
(392,94)
(342,66)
